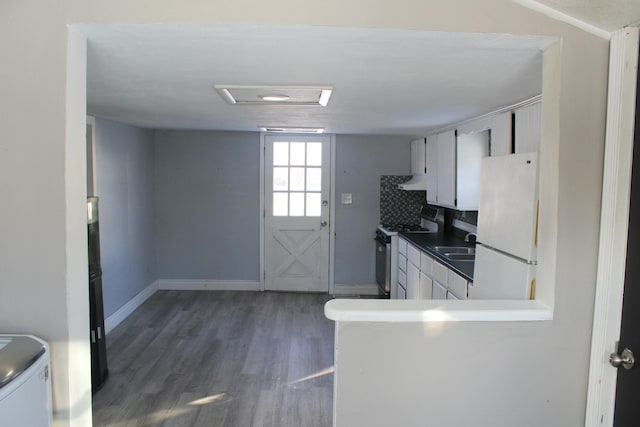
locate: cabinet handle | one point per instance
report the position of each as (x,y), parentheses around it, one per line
(99,333)
(93,336)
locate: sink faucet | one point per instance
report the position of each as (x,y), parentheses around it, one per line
(470,237)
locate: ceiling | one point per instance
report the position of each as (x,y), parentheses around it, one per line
(384,81)
(608,15)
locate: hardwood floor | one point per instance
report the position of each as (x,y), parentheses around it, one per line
(185,358)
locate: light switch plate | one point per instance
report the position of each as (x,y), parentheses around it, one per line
(347,198)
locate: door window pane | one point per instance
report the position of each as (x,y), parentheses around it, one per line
(313,204)
(281,153)
(314,154)
(297,179)
(280,204)
(296,204)
(314,179)
(297,154)
(280,179)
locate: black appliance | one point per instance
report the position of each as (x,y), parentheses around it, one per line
(99,369)
(384,250)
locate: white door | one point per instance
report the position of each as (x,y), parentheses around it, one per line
(297,184)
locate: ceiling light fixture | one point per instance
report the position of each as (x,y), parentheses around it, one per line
(274,98)
(302,96)
(288,129)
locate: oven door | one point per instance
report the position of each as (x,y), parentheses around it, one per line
(383,265)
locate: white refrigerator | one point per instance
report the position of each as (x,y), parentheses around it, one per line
(506,253)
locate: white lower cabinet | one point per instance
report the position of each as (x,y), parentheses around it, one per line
(426,286)
(413,281)
(439,291)
(422,277)
(402,294)
(457,285)
(401,288)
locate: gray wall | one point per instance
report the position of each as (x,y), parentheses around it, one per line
(207,205)
(360,160)
(124,183)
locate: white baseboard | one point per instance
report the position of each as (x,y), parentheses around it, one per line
(123,312)
(208,285)
(356,289)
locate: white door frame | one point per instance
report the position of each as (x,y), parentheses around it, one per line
(614,224)
(332,210)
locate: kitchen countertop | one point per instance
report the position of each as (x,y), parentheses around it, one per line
(427,241)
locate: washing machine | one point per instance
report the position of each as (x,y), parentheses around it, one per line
(25,382)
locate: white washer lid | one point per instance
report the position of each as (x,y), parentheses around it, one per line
(17,353)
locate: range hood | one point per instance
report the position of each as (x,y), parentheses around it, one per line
(417,182)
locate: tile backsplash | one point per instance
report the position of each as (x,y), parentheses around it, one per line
(399,206)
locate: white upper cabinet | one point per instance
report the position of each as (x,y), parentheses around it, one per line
(446,151)
(470,149)
(527,128)
(501,134)
(432,169)
(418,156)
(453,178)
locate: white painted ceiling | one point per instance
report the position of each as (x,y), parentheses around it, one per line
(609,15)
(385,81)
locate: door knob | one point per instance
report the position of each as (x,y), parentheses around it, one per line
(323,224)
(625,360)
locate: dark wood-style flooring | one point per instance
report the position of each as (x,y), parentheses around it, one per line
(220,359)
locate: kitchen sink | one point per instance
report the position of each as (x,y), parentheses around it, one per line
(460,256)
(455,250)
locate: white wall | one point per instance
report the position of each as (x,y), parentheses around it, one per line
(42,184)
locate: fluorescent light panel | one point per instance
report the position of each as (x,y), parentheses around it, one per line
(275,95)
(288,129)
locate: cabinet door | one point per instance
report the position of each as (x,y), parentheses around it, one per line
(426,286)
(426,264)
(439,291)
(418,156)
(527,128)
(447,169)
(471,148)
(440,273)
(413,255)
(413,281)
(432,169)
(457,285)
(402,294)
(501,134)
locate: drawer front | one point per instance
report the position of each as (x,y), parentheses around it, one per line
(402,279)
(426,264)
(440,273)
(439,292)
(457,284)
(402,246)
(413,255)
(402,262)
